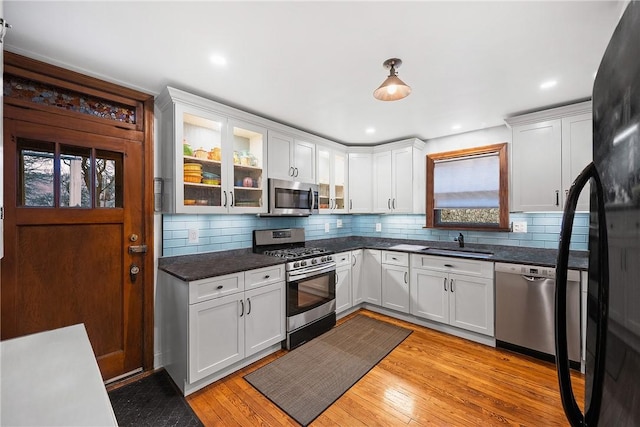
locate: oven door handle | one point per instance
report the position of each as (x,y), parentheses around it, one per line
(326,268)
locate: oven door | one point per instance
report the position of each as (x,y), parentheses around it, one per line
(311,295)
(292,198)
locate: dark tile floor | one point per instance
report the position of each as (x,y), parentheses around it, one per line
(152,401)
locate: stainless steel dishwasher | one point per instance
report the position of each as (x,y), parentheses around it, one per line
(525,307)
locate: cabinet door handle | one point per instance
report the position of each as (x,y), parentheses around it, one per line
(225,198)
(405,278)
(350,204)
(445,285)
(557,197)
(451,285)
(296,172)
(231,194)
(354,260)
(291,170)
(394,203)
(337,278)
(249,309)
(242,305)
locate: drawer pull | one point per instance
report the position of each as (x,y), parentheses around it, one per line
(448,265)
(219,287)
(267,276)
(394,258)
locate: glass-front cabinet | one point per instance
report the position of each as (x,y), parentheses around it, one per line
(214,163)
(332,174)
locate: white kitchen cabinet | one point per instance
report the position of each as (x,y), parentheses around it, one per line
(356,276)
(360,182)
(395,281)
(343,281)
(212,327)
(371,277)
(290,158)
(211,345)
(399,177)
(212,162)
(332,180)
(549,149)
(453,291)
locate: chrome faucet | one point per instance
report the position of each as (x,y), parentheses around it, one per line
(460,240)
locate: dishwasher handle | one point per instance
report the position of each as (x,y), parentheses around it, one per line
(571,408)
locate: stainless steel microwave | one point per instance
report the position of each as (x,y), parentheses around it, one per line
(291,198)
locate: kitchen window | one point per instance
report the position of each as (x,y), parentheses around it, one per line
(468,189)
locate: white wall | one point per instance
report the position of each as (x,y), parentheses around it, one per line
(476,138)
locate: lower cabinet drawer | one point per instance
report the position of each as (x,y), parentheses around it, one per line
(395,258)
(264,276)
(206,289)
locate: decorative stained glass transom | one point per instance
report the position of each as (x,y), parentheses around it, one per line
(41,93)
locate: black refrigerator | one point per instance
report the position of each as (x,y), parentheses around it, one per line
(612,386)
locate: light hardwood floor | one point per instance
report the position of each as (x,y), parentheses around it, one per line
(431,378)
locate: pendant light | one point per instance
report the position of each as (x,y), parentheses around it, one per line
(392,88)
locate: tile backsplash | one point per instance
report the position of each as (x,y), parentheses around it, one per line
(224,232)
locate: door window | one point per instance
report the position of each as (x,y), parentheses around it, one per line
(57,175)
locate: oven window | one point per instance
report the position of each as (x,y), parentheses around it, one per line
(292,199)
(310,293)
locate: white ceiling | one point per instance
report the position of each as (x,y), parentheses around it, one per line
(314,65)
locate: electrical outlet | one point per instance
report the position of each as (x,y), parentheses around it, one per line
(378,226)
(192,235)
(519,226)
(339,223)
(326,227)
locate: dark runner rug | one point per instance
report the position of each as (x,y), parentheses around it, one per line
(152,401)
(307,380)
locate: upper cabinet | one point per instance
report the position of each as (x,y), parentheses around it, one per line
(360,182)
(212,161)
(291,159)
(399,177)
(549,149)
(332,180)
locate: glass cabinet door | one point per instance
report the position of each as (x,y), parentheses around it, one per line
(324,179)
(248,180)
(202,167)
(339,186)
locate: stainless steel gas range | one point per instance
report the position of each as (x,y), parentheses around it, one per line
(311,282)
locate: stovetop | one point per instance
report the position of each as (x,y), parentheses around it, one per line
(296,253)
(289,244)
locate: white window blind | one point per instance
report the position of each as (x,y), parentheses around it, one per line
(471,182)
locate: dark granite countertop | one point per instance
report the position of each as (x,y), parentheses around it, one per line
(578,260)
(211,264)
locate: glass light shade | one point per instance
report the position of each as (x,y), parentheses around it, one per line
(392,89)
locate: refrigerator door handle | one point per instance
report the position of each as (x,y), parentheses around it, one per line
(571,409)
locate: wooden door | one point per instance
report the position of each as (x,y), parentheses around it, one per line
(77,219)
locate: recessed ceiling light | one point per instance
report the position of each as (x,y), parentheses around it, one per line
(370,130)
(548,84)
(456,127)
(218,60)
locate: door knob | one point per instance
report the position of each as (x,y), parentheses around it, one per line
(133,272)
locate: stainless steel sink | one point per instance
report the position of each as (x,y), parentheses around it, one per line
(462,253)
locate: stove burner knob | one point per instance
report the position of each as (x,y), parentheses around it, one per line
(329,258)
(314,261)
(323,259)
(303,263)
(296,264)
